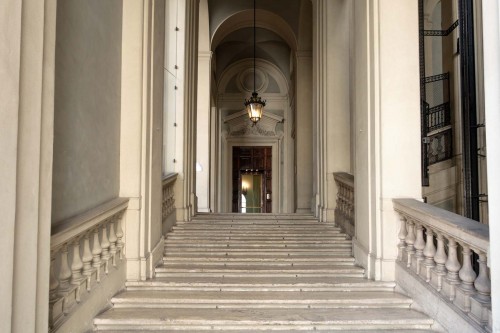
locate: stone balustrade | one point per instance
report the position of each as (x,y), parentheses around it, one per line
(438,247)
(344,210)
(168,201)
(84,250)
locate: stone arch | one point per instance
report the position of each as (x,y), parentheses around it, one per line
(262,66)
(265,19)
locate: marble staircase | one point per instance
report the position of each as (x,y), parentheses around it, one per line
(253,273)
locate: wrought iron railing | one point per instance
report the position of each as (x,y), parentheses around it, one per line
(438,117)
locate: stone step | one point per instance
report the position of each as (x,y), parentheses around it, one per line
(262,227)
(281,331)
(251,238)
(261,274)
(259,299)
(183,258)
(198,263)
(287,223)
(218,216)
(270,319)
(246,283)
(259,252)
(264,245)
(213,242)
(304,268)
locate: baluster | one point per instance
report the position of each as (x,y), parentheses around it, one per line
(77,264)
(87,259)
(119,235)
(483,283)
(429,253)
(65,271)
(467,276)
(466,273)
(96,254)
(419,246)
(402,236)
(440,259)
(55,312)
(76,268)
(453,267)
(105,244)
(112,241)
(54,282)
(410,240)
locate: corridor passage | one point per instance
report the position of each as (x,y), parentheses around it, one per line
(253,273)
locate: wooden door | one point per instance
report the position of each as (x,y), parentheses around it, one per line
(252,160)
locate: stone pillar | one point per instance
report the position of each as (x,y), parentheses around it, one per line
(387,126)
(303,128)
(491,42)
(203,142)
(26,142)
(331,99)
(141,133)
(186,183)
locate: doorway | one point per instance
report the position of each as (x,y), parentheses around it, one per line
(252,179)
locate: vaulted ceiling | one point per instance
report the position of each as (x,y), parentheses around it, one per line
(279,27)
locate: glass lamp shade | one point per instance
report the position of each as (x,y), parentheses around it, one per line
(255,107)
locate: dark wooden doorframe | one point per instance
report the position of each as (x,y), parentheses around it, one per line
(247,159)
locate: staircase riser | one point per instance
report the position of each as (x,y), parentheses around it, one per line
(226,259)
(256,275)
(184,305)
(266,327)
(320,265)
(259,288)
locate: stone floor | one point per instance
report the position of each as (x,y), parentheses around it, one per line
(254,273)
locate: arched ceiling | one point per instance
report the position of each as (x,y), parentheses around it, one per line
(239,45)
(220,10)
(280,25)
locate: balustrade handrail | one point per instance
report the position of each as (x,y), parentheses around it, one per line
(70,228)
(460,228)
(169,178)
(345,178)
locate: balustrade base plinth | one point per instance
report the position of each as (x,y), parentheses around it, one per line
(480,311)
(417,265)
(437,278)
(462,298)
(56,312)
(449,288)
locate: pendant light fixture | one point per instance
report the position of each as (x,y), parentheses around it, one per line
(255,104)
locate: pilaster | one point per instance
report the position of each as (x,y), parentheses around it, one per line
(387,107)
(304,128)
(187,207)
(331,103)
(141,137)
(491,42)
(26,139)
